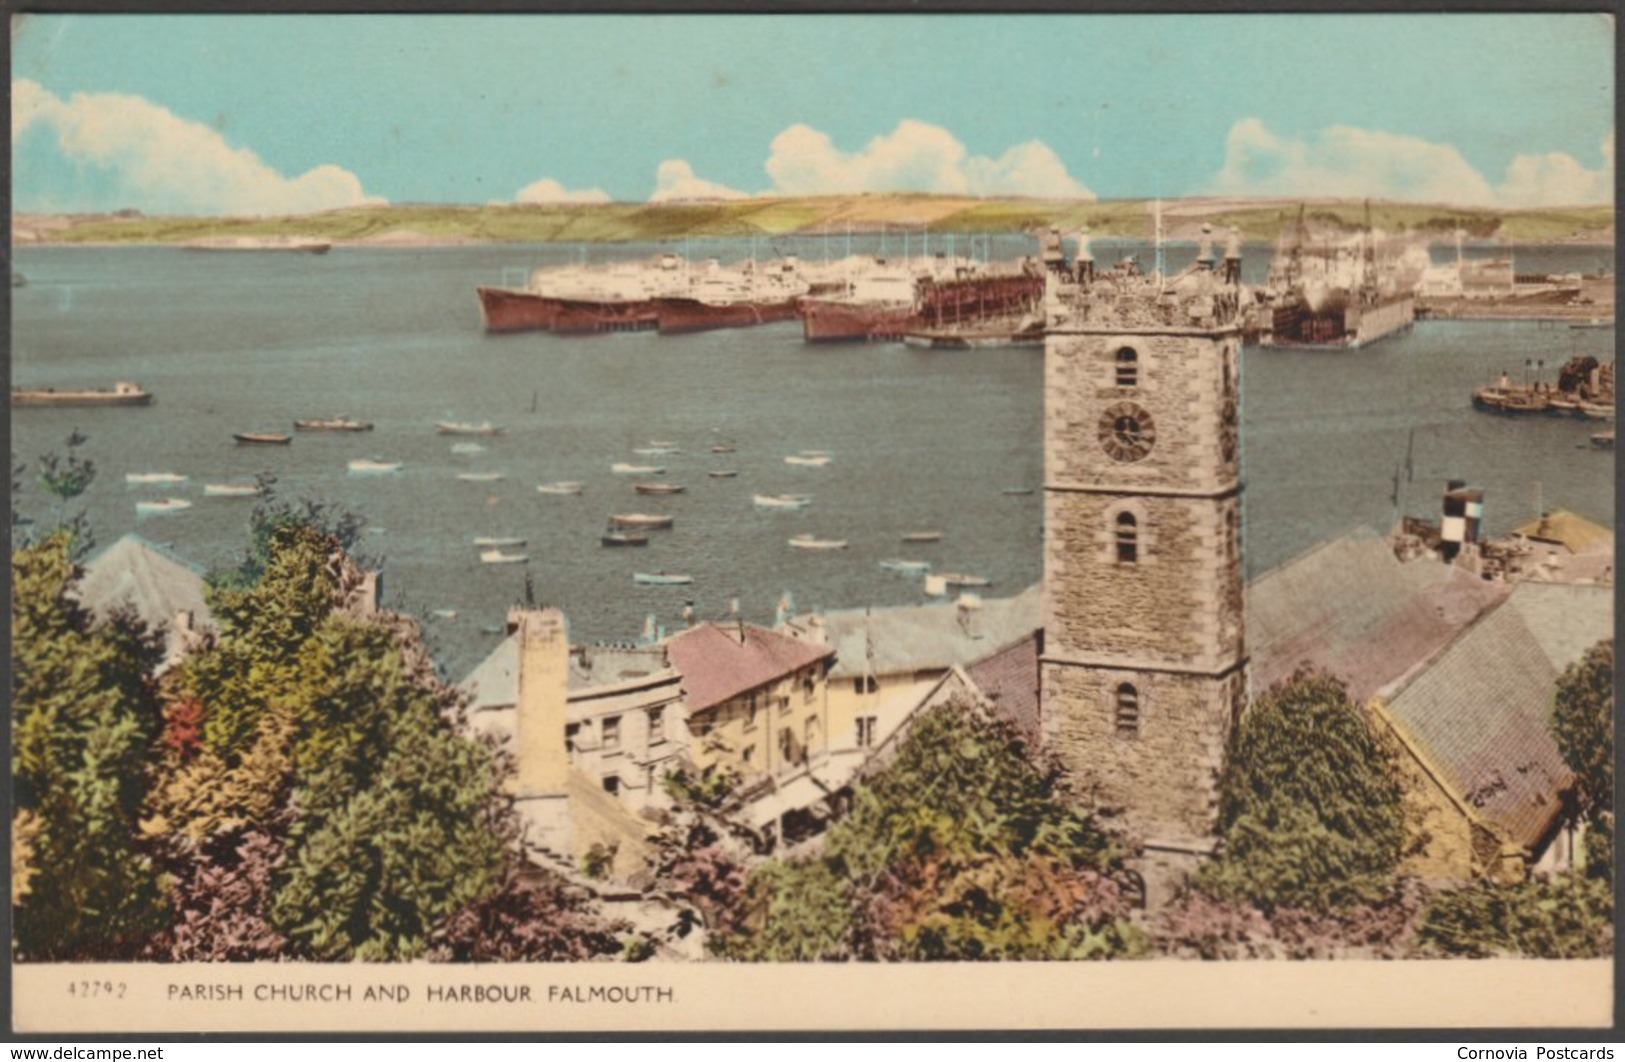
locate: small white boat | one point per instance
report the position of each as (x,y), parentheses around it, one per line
(906,567)
(155,508)
(497,556)
(923,536)
(232,490)
(621,468)
(961,579)
(645,521)
(467,448)
(655,451)
(812,542)
(722,448)
(782,501)
(143,478)
(498,542)
(561,487)
(479,477)
(450,427)
(366,466)
(662,444)
(807,461)
(661,578)
(444,613)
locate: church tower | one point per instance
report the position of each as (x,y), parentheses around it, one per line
(1143,666)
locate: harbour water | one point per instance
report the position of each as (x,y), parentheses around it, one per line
(919,439)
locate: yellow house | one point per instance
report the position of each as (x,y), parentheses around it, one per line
(756,700)
(887,657)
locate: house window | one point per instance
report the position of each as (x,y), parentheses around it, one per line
(809,686)
(1128,711)
(657,725)
(571,730)
(612,784)
(866,730)
(865,684)
(612,732)
(812,734)
(748,754)
(750,713)
(787,745)
(1128,539)
(784,703)
(1128,368)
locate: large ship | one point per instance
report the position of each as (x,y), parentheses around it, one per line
(733,298)
(884,302)
(123,393)
(578,300)
(1334,293)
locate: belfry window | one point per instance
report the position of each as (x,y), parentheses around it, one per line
(1128,368)
(1128,539)
(1128,711)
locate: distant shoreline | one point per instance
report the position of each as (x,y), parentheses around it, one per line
(425,226)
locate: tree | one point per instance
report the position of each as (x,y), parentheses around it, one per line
(1568,917)
(65,477)
(84,716)
(1583,724)
(1309,804)
(526,918)
(959,849)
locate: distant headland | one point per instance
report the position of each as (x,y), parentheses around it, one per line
(426,225)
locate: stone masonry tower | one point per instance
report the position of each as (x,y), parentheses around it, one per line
(1143,667)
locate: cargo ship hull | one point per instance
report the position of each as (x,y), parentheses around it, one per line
(49,397)
(836,321)
(595,317)
(679,315)
(507,310)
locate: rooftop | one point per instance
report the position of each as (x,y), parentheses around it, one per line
(1350,607)
(1569,530)
(494,682)
(1481,712)
(721,661)
(148,578)
(889,641)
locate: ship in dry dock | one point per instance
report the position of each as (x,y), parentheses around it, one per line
(1334,293)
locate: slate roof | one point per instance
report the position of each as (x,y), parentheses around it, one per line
(156,583)
(1350,606)
(927,637)
(1481,711)
(720,661)
(1567,529)
(494,682)
(1008,679)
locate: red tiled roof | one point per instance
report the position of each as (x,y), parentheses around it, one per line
(720,661)
(1008,678)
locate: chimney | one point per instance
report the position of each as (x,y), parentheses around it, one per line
(544,687)
(1463,513)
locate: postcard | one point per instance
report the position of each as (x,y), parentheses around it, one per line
(541,522)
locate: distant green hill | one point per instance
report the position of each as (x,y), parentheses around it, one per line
(623,222)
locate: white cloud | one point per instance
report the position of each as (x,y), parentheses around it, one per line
(1558,179)
(547,190)
(164,163)
(1343,161)
(914,157)
(1346,162)
(676,180)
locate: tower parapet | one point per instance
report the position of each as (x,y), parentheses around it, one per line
(1123,299)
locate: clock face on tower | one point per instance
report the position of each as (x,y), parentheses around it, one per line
(1127,431)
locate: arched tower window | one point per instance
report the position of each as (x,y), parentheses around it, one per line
(1128,711)
(1128,367)
(1128,539)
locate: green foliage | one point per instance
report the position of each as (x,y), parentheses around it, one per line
(1583,723)
(1309,804)
(273,515)
(598,861)
(83,717)
(1566,918)
(957,850)
(710,789)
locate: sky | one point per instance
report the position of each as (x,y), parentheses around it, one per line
(288,114)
